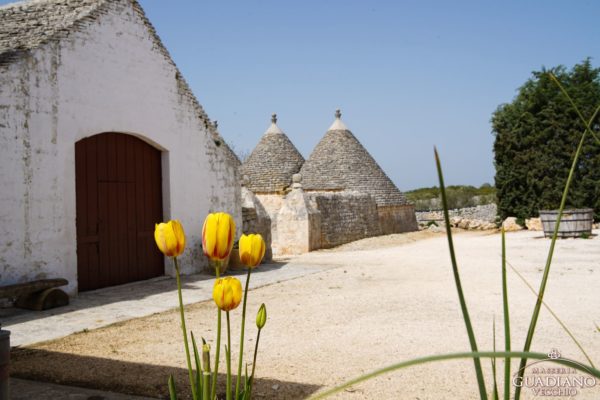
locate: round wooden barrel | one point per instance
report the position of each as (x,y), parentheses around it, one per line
(4,361)
(574,223)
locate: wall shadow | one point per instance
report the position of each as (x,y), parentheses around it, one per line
(130,377)
(122,293)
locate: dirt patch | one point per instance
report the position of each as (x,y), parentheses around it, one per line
(379,242)
(386,302)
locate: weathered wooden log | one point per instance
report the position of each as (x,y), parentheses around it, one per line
(43,300)
(25,288)
(37,295)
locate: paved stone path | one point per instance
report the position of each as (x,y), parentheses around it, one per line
(98,308)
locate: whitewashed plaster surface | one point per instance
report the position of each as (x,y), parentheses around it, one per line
(107,76)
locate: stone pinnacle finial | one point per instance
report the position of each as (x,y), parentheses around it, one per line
(274,118)
(297,181)
(245,181)
(338,114)
(216,124)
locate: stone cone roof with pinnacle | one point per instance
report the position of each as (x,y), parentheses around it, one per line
(272,163)
(340,162)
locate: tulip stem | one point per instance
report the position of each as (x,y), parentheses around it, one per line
(239,373)
(183,328)
(205,385)
(228,358)
(213,394)
(254,364)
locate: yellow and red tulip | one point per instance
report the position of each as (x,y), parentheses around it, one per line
(227,293)
(170,238)
(218,235)
(252,249)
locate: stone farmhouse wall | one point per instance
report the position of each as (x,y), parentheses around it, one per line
(345,217)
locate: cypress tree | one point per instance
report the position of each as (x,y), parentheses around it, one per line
(536,136)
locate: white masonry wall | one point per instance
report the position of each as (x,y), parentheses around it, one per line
(110,76)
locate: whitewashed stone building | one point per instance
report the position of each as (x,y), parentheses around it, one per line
(100,138)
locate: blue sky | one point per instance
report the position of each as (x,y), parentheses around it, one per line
(407,75)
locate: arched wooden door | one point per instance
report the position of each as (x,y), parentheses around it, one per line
(119,199)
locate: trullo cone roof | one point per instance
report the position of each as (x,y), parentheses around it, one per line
(272,163)
(340,162)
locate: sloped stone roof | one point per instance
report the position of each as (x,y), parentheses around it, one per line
(340,162)
(272,163)
(27,25)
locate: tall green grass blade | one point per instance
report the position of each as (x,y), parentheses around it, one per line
(198,367)
(494,360)
(547,307)
(453,356)
(538,303)
(506,320)
(461,297)
(172,389)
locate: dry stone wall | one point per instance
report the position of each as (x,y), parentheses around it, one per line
(397,219)
(255,219)
(486,213)
(345,217)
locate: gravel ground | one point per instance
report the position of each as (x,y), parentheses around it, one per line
(389,299)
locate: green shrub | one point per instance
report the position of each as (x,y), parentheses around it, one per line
(459,196)
(535,138)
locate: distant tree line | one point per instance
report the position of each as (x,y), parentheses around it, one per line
(459,196)
(536,136)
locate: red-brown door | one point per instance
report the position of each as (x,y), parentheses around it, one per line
(119,199)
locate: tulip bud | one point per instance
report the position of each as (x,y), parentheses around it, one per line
(217,236)
(170,238)
(261,316)
(227,293)
(206,357)
(252,250)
